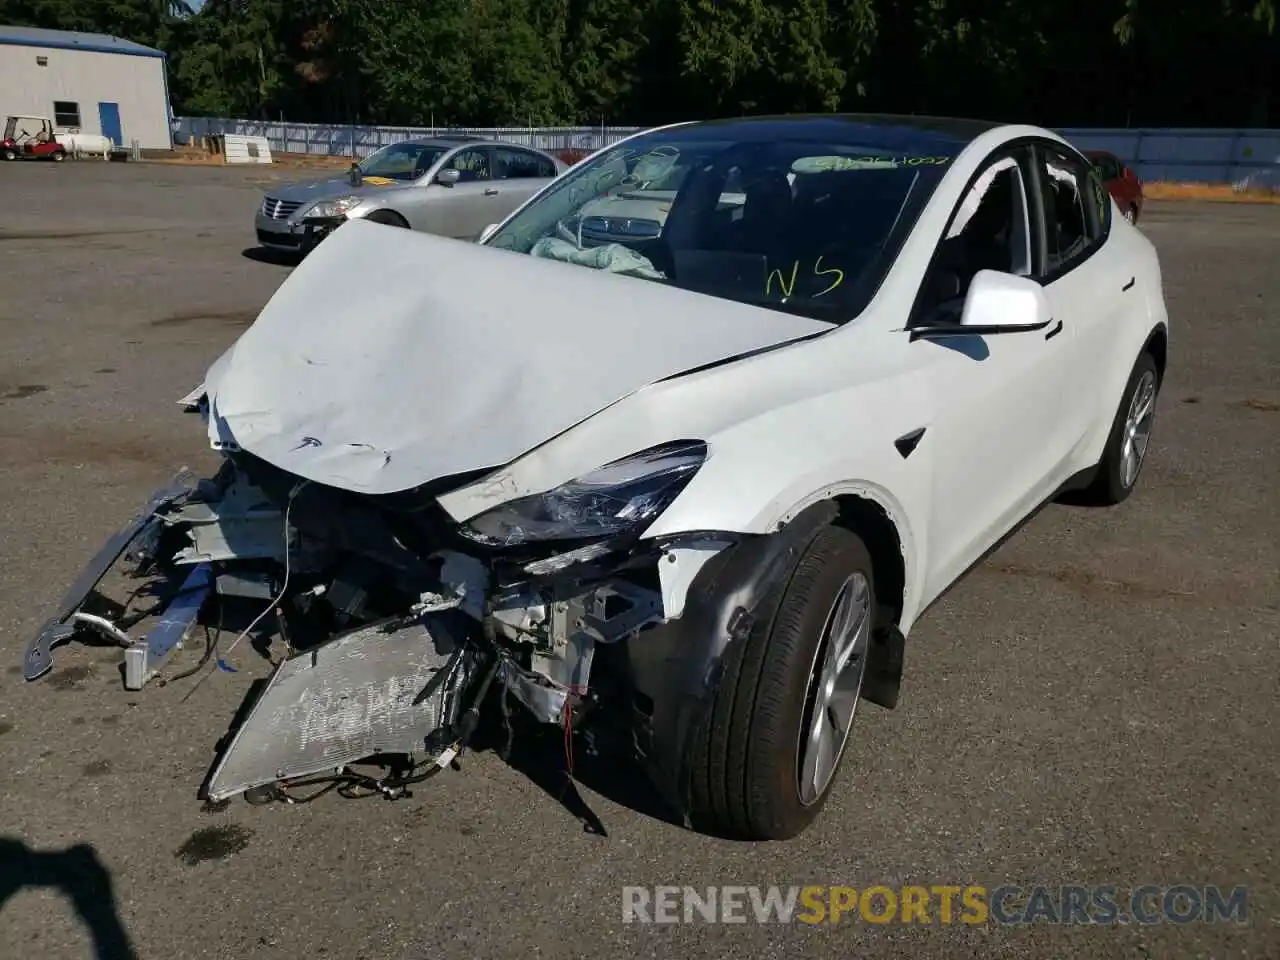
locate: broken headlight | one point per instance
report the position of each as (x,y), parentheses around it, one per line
(615,499)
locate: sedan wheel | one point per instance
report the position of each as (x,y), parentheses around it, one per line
(765,758)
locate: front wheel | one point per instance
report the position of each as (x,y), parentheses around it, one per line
(1131,214)
(9,154)
(765,760)
(388,217)
(59,156)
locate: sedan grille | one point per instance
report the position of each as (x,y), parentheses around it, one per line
(279,209)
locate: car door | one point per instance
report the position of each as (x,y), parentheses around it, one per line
(995,434)
(465,208)
(1086,286)
(519,175)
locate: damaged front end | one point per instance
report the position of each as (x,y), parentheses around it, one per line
(396,619)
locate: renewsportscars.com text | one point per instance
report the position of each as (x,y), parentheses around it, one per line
(937,904)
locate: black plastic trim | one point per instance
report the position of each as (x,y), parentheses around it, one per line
(974,330)
(907,443)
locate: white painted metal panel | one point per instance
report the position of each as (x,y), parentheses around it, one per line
(85,77)
(241,149)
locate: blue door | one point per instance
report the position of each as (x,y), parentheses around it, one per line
(109,118)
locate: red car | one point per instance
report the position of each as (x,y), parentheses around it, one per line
(1123,183)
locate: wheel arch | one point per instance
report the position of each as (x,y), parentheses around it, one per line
(388,216)
(871,522)
(1157,344)
(882,522)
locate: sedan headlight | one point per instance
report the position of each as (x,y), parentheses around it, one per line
(333,208)
(617,498)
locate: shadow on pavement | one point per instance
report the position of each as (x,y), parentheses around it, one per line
(277,258)
(81,876)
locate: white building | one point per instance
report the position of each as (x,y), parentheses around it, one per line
(86,83)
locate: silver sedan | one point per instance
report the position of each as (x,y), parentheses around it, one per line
(452,186)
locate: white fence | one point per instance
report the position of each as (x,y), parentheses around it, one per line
(347,141)
(1240,157)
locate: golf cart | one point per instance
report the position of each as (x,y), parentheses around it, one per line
(30,138)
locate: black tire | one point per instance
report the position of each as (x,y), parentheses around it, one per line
(745,759)
(1109,487)
(59,156)
(1133,215)
(9,154)
(388,217)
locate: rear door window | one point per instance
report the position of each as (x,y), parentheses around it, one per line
(513,164)
(1076,208)
(472,164)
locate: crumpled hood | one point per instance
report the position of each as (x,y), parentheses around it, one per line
(390,358)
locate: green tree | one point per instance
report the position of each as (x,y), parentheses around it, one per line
(745,56)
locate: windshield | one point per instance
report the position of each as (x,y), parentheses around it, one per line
(401,161)
(807,226)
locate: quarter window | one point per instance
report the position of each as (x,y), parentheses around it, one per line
(66,114)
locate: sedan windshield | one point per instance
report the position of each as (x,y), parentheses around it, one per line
(401,161)
(807,225)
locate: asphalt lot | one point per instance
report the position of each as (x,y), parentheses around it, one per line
(1097,704)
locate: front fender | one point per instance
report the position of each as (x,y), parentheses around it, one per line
(728,494)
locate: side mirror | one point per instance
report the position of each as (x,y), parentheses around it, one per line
(996,303)
(447,178)
(487,232)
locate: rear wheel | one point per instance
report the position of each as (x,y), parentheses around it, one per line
(765,761)
(1126,448)
(1131,214)
(9,153)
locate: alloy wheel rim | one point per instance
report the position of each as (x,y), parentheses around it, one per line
(1137,429)
(836,675)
